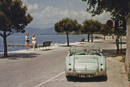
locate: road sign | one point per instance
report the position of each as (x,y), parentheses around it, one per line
(120,24)
(110,23)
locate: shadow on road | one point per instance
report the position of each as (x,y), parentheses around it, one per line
(113,52)
(66,45)
(15,56)
(95,79)
(46,49)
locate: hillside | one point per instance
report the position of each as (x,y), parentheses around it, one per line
(46,31)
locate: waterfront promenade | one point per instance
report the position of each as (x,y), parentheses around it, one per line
(45,68)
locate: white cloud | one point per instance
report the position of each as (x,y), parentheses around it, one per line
(49,15)
(46,16)
(33,7)
(25,1)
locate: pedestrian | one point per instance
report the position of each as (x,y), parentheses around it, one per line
(34,41)
(27,41)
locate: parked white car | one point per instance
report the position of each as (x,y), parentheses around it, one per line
(85,62)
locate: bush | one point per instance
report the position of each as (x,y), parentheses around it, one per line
(82,40)
(123,59)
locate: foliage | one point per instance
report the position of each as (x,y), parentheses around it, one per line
(67,25)
(13,18)
(118,8)
(90,27)
(13,15)
(122,59)
(93,27)
(105,30)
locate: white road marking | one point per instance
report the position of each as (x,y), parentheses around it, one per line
(42,83)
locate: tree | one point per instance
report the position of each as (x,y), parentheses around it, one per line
(90,27)
(85,29)
(67,25)
(96,28)
(13,18)
(119,33)
(105,30)
(119,10)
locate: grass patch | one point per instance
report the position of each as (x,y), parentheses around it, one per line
(122,59)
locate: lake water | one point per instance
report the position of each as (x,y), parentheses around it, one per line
(20,39)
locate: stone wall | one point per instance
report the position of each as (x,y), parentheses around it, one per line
(128,45)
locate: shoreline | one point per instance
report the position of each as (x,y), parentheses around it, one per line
(53,46)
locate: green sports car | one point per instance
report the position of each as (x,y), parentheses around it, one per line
(83,61)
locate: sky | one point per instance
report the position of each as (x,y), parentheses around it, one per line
(47,12)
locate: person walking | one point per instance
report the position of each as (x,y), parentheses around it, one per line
(27,41)
(34,41)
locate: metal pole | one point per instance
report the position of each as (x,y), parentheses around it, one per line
(121,43)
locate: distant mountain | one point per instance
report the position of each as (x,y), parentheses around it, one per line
(46,31)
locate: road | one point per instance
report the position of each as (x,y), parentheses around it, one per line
(46,69)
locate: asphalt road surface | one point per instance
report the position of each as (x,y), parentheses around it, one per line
(46,69)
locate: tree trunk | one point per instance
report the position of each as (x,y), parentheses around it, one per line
(5,44)
(91,37)
(121,44)
(104,37)
(112,36)
(127,59)
(88,37)
(117,44)
(67,39)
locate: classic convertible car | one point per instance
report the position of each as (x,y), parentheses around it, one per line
(83,61)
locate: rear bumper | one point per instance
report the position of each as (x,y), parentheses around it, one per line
(85,74)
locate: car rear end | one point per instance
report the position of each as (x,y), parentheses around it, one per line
(85,66)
